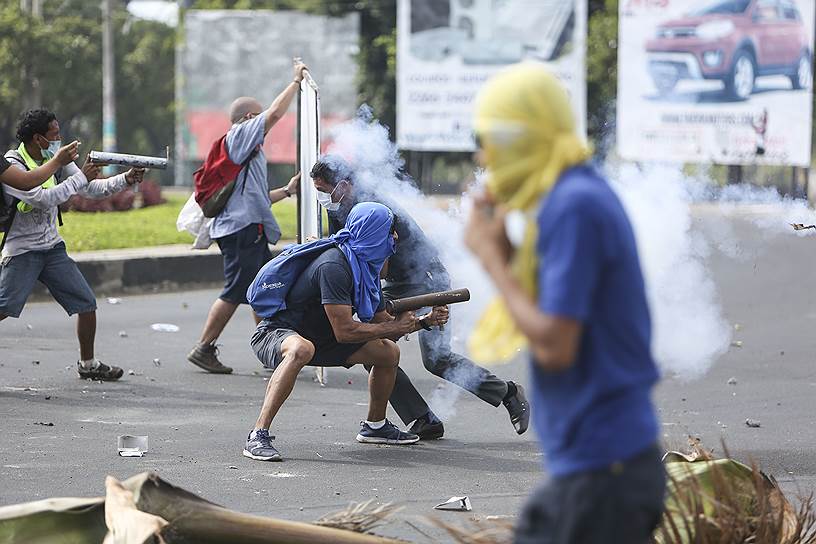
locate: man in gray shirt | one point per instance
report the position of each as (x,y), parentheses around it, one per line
(33,248)
(246,226)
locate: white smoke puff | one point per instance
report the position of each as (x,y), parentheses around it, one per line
(689,330)
(765,208)
(364,143)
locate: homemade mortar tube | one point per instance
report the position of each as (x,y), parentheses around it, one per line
(133,161)
(429,300)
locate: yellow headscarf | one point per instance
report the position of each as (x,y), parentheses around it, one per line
(526,129)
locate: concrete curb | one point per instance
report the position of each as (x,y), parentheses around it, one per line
(151,270)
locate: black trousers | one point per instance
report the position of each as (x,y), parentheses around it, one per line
(621,503)
(438,358)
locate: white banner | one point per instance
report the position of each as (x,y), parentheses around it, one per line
(722,81)
(308,148)
(446,50)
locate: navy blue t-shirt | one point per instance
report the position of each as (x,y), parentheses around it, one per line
(598,411)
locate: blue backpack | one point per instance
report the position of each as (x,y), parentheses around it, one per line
(267,292)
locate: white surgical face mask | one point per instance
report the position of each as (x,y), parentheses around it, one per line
(53,148)
(325,200)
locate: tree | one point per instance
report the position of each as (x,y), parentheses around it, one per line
(63,53)
(602,70)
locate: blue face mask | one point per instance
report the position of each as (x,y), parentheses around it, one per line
(53,147)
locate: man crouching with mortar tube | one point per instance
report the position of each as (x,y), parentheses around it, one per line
(307,297)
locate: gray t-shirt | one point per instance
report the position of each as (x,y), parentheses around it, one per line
(327,280)
(249,202)
(36,230)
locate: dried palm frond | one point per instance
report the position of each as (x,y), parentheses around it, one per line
(479,531)
(359,517)
(722,501)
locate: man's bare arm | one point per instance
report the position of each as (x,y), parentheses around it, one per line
(27,180)
(281,104)
(348,331)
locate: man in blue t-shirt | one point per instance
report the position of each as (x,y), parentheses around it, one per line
(587,323)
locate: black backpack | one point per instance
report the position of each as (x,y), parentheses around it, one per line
(8,211)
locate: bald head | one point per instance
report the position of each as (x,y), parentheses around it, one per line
(242,106)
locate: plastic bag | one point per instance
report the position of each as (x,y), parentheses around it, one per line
(192,220)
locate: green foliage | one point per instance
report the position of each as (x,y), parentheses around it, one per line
(153,226)
(602,68)
(56,63)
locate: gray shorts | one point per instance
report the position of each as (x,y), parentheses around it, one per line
(267,342)
(54,269)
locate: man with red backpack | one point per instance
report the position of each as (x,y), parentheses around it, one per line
(243,224)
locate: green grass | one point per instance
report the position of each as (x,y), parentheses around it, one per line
(147,227)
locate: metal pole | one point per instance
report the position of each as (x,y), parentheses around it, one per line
(108,79)
(33,99)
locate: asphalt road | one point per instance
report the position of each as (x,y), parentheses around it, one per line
(197,422)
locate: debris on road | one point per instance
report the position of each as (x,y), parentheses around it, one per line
(362,517)
(113,300)
(457,504)
(131,372)
(737,327)
(149,509)
(123,334)
(736,344)
(165,327)
(755,423)
(320,376)
(156,362)
(232,467)
(131,446)
(35,362)
(732,381)
(44,423)
(706,495)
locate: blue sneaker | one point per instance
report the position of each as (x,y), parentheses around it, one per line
(387,434)
(259,446)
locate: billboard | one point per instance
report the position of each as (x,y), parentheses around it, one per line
(720,81)
(446,50)
(225,54)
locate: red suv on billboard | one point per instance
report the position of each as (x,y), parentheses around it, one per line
(734,41)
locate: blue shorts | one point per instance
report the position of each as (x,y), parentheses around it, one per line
(245,252)
(54,269)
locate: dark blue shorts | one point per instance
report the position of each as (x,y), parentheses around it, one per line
(245,252)
(619,503)
(55,269)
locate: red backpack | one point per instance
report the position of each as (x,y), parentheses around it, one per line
(215,180)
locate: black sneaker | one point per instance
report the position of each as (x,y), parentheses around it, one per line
(259,446)
(427,429)
(100,371)
(519,409)
(206,356)
(387,434)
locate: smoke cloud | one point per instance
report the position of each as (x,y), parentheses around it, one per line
(690,330)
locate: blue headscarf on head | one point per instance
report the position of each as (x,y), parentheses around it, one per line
(366,242)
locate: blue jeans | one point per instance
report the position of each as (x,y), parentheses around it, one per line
(54,269)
